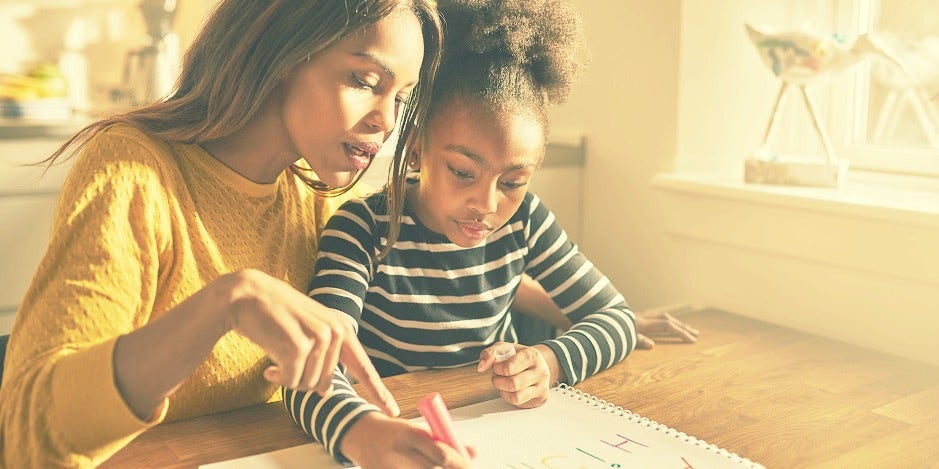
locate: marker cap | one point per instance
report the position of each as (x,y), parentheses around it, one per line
(503,353)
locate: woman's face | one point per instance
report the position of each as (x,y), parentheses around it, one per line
(341,106)
(475,170)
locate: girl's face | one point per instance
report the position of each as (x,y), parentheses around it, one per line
(475,167)
(341,105)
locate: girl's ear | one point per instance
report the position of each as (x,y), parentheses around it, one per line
(414,160)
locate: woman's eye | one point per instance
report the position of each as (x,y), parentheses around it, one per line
(361,83)
(514,184)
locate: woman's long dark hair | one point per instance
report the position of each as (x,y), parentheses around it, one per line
(244,51)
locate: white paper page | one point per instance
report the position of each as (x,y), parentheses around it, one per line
(568,431)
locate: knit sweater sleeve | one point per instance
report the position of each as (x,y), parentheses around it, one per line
(604,328)
(59,405)
(343,271)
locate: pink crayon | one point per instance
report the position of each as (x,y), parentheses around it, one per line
(437,416)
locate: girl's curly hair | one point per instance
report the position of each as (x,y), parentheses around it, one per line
(510,53)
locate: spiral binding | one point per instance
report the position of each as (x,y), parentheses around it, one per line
(604,406)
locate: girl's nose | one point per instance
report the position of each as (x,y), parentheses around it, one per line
(485,198)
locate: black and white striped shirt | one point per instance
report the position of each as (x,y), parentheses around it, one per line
(432,304)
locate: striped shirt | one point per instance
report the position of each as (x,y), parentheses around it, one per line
(432,304)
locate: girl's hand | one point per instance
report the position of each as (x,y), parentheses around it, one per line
(661,325)
(523,379)
(378,441)
(303,338)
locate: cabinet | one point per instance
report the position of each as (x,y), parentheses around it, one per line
(27,199)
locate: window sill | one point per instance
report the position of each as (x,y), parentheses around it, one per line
(855,264)
(871,224)
(889,198)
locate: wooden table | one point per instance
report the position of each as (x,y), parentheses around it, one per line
(777,396)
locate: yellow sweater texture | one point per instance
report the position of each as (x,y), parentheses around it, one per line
(142,224)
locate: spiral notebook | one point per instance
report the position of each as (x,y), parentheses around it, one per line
(573,429)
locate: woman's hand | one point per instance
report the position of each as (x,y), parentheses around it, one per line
(303,338)
(523,379)
(662,325)
(378,441)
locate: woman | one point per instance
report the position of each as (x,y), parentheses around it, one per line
(185,229)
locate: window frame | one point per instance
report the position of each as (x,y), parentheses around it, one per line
(849,109)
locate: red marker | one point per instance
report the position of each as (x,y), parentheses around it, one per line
(437,416)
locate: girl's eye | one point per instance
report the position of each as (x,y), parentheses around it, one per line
(514,184)
(460,174)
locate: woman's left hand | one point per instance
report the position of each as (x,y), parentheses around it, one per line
(524,378)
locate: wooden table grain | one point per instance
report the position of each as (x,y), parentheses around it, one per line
(780,397)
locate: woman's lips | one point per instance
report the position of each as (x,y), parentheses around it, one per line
(367,147)
(361,154)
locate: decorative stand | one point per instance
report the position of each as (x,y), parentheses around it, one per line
(765,168)
(800,58)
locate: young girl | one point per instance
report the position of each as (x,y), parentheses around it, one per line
(440,296)
(185,229)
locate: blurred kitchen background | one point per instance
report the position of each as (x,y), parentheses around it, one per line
(63,63)
(108,53)
(645,165)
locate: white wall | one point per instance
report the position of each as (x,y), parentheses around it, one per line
(627,105)
(677,86)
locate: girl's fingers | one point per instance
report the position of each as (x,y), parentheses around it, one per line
(665,325)
(687,335)
(485,363)
(488,356)
(643,342)
(685,332)
(531,380)
(437,454)
(532,400)
(526,398)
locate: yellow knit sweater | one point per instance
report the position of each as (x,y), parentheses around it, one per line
(141,225)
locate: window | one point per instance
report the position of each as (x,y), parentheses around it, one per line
(883,119)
